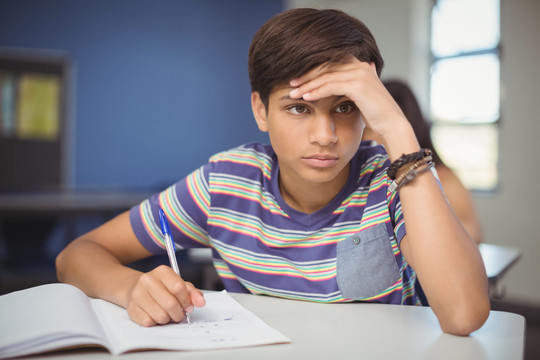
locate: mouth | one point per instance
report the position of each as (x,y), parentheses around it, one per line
(321,160)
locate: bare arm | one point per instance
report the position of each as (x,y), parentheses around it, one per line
(461,201)
(95,263)
(445,258)
(458,196)
(437,247)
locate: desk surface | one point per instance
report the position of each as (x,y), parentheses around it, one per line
(498,259)
(365,331)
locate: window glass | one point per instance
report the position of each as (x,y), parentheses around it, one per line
(471,151)
(464,25)
(465,89)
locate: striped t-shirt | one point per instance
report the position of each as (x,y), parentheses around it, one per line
(348,250)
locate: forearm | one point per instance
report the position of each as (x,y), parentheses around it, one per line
(473,229)
(446,260)
(96,271)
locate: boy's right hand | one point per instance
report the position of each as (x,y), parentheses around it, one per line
(161,296)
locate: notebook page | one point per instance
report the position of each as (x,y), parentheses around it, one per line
(222,323)
(47,317)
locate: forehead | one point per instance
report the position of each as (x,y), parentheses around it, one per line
(280,89)
(279,92)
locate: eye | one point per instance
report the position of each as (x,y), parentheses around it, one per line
(345,108)
(297,109)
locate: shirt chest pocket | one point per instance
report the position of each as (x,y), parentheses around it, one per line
(365,263)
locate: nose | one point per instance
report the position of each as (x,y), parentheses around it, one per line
(323,130)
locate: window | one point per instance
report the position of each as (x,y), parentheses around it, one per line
(465,88)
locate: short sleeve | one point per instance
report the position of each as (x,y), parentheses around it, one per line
(186,205)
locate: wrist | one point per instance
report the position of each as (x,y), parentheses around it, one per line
(400,140)
(120,292)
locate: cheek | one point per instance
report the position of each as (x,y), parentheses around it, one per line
(283,130)
(279,137)
(351,130)
(361,127)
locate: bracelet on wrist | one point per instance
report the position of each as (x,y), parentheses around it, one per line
(411,174)
(407,159)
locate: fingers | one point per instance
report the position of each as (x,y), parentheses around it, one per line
(359,82)
(323,86)
(336,79)
(161,297)
(312,74)
(196,295)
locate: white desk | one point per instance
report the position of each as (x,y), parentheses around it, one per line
(497,260)
(344,331)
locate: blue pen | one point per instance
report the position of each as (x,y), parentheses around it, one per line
(166,230)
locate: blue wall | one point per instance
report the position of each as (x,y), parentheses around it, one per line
(159,85)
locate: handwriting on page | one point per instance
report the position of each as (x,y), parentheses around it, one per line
(205,324)
(222,322)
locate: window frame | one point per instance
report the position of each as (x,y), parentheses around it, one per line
(434,59)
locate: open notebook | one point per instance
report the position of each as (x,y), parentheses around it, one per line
(59,316)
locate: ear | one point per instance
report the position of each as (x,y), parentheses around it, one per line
(259,111)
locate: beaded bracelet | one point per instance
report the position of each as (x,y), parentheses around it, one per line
(406,159)
(414,166)
(410,175)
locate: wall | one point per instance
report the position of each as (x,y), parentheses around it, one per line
(157,86)
(509,215)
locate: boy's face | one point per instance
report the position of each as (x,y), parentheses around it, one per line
(314,141)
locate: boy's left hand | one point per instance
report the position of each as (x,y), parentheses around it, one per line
(360,83)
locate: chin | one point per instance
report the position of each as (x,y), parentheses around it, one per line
(322,176)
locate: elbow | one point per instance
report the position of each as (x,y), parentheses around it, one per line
(66,260)
(466,319)
(59,264)
(62,264)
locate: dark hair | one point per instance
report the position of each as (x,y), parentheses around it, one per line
(406,100)
(295,41)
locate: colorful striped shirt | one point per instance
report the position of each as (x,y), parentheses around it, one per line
(348,250)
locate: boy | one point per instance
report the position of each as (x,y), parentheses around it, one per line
(315,216)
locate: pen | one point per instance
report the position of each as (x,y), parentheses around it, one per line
(166,230)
